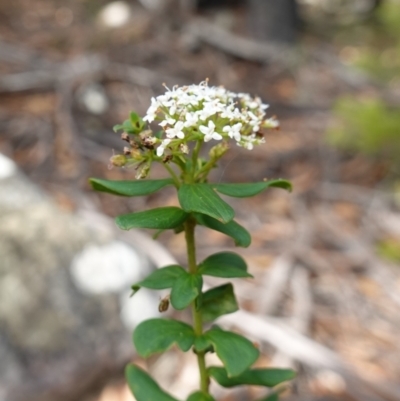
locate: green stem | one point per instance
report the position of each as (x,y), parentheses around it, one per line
(195,157)
(197,321)
(206,169)
(173,175)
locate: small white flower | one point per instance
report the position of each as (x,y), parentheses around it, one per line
(255,121)
(249,141)
(209,109)
(163,145)
(187,99)
(172,109)
(165,100)
(191,119)
(209,132)
(167,121)
(151,111)
(176,131)
(236,114)
(183,109)
(228,112)
(233,131)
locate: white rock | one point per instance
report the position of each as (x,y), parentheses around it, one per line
(7,167)
(115,14)
(94,98)
(142,306)
(112,267)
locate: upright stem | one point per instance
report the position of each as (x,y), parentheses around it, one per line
(195,156)
(197,321)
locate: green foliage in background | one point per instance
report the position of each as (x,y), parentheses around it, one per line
(389,249)
(367,126)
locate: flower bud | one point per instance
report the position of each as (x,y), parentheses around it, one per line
(118,160)
(145,134)
(219,150)
(149,142)
(184,148)
(136,154)
(127,151)
(143,171)
(271,123)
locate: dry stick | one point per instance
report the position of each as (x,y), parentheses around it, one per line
(80,69)
(361,254)
(228,42)
(277,278)
(201,30)
(302,311)
(274,283)
(67,134)
(302,300)
(13,54)
(47,79)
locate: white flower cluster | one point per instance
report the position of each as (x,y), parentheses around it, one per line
(202,112)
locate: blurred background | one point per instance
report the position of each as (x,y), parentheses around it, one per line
(326,259)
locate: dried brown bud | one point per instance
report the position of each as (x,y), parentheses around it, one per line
(125,137)
(145,134)
(167,158)
(149,142)
(127,151)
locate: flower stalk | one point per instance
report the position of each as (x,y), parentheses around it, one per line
(189,117)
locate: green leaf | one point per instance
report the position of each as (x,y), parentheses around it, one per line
(161,218)
(127,127)
(134,125)
(250,189)
(224,264)
(158,335)
(201,198)
(200,396)
(143,387)
(255,377)
(118,127)
(236,352)
(217,302)
(202,343)
(234,230)
(185,289)
(161,278)
(129,188)
(136,120)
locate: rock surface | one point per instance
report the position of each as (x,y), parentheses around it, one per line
(64,296)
